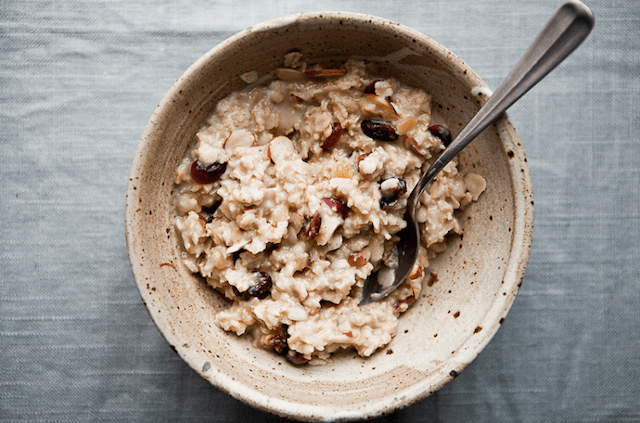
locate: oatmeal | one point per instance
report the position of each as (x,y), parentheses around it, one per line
(292,195)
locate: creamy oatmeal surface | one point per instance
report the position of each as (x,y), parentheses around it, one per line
(292,196)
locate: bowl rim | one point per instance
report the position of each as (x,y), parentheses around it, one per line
(515,267)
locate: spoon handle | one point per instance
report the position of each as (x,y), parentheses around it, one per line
(564,32)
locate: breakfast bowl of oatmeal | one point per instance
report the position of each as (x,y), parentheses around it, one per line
(272,180)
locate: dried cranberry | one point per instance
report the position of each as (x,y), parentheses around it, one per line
(379,130)
(336,132)
(338,205)
(391,195)
(261,288)
(207,174)
(442,133)
(312,227)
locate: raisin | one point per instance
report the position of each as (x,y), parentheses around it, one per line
(442,133)
(379,130)
(260,290)
(207,213)
(391,194)
(370,88)
(278,340)
(204,175)
(296,358)
(338,205)
(312,227)
(336,132)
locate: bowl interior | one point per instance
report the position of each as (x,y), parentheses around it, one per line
(477,277)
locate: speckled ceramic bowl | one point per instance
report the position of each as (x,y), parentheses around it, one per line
(478,276)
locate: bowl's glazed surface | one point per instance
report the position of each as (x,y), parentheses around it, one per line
(477,277)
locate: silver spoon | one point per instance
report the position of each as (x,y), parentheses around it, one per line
(564,32)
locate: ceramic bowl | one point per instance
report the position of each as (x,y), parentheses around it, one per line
(453,320)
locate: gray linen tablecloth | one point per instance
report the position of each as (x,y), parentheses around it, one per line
(79,80)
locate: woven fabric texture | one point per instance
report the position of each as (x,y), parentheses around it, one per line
(80,79)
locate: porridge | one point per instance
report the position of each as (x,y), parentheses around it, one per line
(292,195)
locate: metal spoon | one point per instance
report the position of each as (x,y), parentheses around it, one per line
(564,32)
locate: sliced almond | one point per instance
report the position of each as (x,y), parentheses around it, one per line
(288,74)
(280,148)
(324,73)
(410,143)
(475,185)
(376,106)
(239,138)
(249,77)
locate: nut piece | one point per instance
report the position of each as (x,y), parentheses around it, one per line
(343,170)
(239,138)
(295,357)
(338,205)
(336,132)
(288,74)
(356,260)
(379,130)
(410,143)
(475,185)
(311,227)
(325,73)
(376,106)
(281,148)
(249,77)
